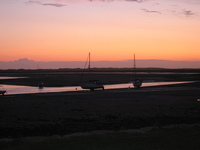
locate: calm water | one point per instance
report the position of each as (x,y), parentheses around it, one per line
(15,89)
(11,77)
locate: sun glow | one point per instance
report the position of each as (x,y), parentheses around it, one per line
(110,31)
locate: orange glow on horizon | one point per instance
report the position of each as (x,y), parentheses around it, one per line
(109,31)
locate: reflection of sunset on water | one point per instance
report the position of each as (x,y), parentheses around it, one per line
(17,89)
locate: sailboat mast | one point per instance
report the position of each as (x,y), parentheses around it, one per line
(89,62)
(134,65)
(134,62)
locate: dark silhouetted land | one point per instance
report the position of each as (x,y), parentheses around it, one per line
(116,110)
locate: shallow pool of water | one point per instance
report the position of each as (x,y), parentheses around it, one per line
(16,89)
(3,78)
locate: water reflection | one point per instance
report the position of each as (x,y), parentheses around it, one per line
(130,85)
(3,78)
(16,89)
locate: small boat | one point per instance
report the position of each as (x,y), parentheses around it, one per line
(2,92)
(137,83)
(92,84)
(40,85)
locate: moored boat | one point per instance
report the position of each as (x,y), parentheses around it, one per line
(2,92)
(137,83)
(92,84)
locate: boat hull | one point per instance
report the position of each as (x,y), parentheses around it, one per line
(2,92)
(92,86)
(137,83)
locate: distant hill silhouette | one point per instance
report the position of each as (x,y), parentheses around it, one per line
(149,63)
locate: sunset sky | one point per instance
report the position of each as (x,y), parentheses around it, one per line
(113,30)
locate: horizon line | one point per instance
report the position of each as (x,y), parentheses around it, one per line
(27,59)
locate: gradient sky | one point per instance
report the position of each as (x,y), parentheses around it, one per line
(66,30)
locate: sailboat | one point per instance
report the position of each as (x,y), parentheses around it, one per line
(92,84)
(137,83)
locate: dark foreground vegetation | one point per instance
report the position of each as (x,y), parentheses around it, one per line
(65,113)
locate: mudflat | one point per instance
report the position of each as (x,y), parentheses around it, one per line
(74,77)
(80,111)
